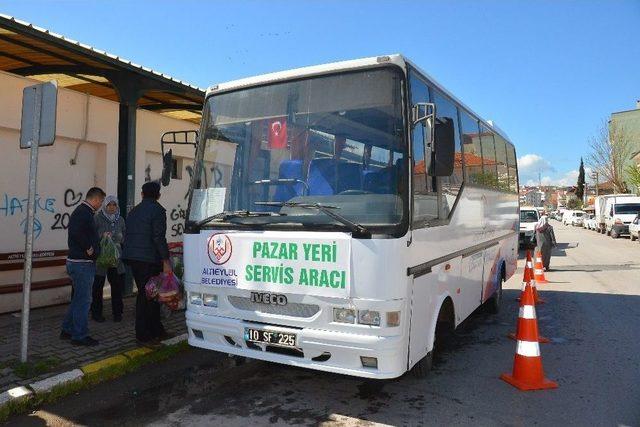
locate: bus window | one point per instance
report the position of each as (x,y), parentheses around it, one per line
(513,169)
(446,110)
(425,202)
(501,162)
(489,170)
(471,148)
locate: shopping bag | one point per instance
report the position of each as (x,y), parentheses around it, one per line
(109,253)
(169,287)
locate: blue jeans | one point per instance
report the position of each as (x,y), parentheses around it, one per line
(77,318)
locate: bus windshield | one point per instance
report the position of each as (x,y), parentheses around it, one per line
(272,151)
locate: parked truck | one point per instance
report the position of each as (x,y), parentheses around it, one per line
(600,207)
(618,214)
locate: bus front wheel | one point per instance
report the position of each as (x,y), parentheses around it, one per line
(442,339)
(423,367)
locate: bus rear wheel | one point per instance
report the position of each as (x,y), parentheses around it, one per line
(492,305)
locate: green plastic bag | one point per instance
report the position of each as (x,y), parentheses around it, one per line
(109,254)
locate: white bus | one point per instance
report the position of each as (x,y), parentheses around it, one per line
(344,217)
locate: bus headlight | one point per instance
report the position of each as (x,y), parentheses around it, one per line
(195,298)
(393,318)
(344,315)
(210,300)
(369,317)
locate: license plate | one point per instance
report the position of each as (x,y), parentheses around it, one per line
(281,339)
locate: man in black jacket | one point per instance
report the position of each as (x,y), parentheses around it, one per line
(146,251)
(84,245)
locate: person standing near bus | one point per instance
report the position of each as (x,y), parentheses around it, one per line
(109,223)
(147,253)
(546,240)
(84,245)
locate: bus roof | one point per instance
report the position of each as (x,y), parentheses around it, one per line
(332,67)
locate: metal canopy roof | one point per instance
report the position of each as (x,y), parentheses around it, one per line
(39,54)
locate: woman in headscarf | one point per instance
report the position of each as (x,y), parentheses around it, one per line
(546,239)
(109,223)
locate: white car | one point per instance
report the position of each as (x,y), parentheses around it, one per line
(588,221)
(634,228)
(573,218)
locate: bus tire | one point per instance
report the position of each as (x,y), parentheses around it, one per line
(423,367)
(493,304)
(442,338)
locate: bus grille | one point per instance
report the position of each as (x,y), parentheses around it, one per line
(292,309)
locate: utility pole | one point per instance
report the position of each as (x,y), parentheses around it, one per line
(594,175)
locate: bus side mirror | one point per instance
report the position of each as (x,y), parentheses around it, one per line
(444,149)
(424,113)
(167,167)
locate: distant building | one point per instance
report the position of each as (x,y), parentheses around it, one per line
(534,197)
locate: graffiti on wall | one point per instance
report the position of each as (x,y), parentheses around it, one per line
(46,211)
(177,215)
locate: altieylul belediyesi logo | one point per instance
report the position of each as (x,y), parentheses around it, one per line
(219,248)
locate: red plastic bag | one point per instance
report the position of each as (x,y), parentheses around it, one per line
(152,287)
(169,287)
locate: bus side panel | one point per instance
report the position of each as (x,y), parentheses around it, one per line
(492,270)
(510,251)
(471,284)
(428,293)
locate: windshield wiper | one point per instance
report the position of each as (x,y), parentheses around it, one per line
(223,216)
(325,209)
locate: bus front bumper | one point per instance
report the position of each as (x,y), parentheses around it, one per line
(344,349)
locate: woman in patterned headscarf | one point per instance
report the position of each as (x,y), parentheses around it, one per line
(545,239)
(109,223)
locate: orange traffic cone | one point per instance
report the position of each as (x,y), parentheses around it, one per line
(524,323)
(527,371)
(529,279)
(538,272)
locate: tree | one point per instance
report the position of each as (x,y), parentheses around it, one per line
(633,175)
(611,149)
(574,204)
(580,188)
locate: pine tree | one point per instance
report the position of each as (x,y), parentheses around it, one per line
(580,189)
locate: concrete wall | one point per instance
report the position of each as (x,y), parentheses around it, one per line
(84,155)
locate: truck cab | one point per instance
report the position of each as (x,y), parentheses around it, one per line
(528,219)
(619,213)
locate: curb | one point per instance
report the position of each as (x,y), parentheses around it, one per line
(15,394)
(47,385)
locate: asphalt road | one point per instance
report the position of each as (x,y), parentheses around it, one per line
(592,316)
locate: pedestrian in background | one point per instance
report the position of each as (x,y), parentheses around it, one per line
(147,253)
(84,245)
(109,224)
(546,240)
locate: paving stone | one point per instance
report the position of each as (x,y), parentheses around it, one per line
(44,340)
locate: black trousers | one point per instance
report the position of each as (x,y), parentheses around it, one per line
(117,288)
(148,324)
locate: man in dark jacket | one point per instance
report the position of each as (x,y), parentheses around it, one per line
(146,251)
(84,245)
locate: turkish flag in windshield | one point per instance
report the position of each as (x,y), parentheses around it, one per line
(278,133)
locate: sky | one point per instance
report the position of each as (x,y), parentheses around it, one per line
(547,72)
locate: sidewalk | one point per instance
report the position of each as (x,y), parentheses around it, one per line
(55,355)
